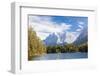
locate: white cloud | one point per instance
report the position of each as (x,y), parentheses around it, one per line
(81,23)
(80,28)
(42,35)
(44,26)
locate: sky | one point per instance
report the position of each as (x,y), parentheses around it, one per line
(45,25)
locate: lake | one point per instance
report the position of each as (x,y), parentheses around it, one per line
(56,56)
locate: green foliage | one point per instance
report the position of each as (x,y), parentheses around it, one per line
(35,45)
(68,48)
(83,47)
(72,48)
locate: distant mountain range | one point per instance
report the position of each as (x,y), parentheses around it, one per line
(61,38)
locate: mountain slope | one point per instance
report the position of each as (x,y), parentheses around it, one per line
(56,39)
(82,38)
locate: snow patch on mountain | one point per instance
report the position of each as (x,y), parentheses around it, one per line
(61,38)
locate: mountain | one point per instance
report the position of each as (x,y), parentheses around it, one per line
(62,38)
(56,39)
(82,38)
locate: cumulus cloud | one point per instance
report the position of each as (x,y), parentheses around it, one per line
(44,26)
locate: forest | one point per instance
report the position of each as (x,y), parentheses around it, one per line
(68,48)
(36,47)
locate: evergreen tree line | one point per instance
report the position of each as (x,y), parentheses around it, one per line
(69,48)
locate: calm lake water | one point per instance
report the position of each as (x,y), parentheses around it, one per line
(62,56)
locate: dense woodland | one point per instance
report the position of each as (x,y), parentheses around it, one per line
(68,48)
(36,47)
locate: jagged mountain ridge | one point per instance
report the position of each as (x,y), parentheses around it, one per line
(61,38)
(56,39)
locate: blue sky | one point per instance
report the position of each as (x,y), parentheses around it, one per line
(45,25)
(73,20)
